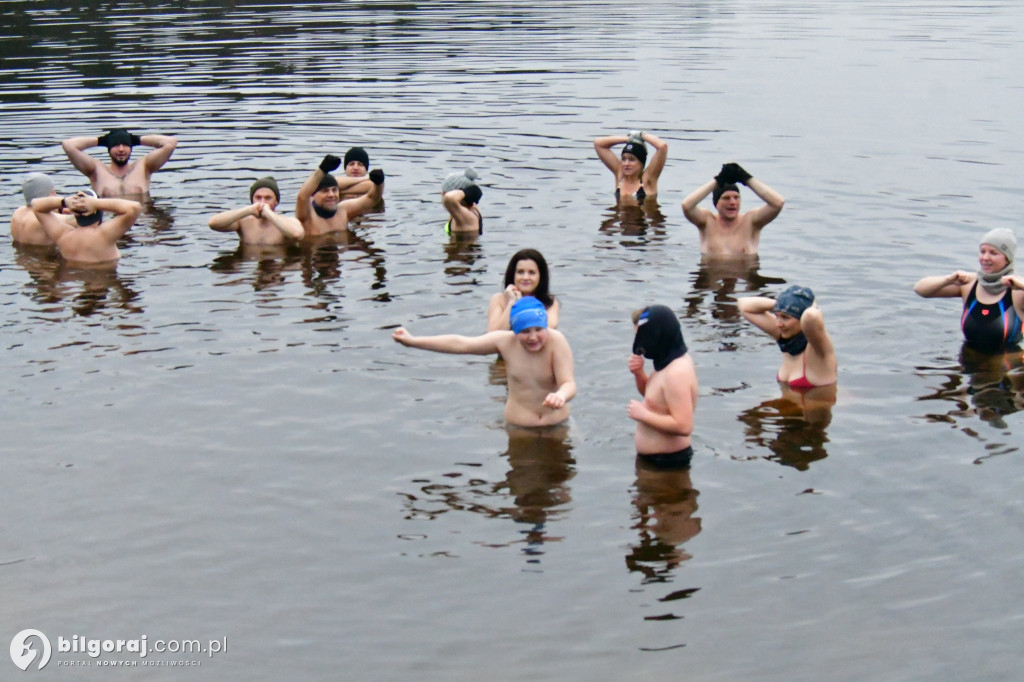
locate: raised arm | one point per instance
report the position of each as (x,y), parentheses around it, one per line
(303,210)
(484,344)
(603,147)
(366,202)
(944,286)
(75,148)
(758,311)
(461,215)
(125,214)
(164,146)
(773,203)
(653,169)
(812,324)
(53,224)
(691,204)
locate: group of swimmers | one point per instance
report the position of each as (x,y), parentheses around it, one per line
(522,318)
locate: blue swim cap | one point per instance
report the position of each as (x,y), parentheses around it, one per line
(794,301)
(528,312)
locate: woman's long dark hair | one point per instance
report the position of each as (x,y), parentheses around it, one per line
(541,293)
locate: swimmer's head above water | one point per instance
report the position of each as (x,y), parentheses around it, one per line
(794,301)
(357,162)
(527,313)
(119,143)
(268,183)
(35,186)
(637,149)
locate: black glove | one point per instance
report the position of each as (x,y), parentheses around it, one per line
(473,194)
(330,163)
(377,176)
(101,140)
(732,173)
(136,139)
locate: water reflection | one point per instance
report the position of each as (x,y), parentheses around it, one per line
(989,387)
(638,225)
(461,254)
(534,492)
(665,502)
(792,426)
(83,291)
(271,262)
(719,279)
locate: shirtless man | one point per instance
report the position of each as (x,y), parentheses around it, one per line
(259,223)
(729,232)
(355,182)
(25,227)
(664,419)
(90,239)
(319,207)
(538,361)
(119,177)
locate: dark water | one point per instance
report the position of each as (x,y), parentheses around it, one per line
(212,442)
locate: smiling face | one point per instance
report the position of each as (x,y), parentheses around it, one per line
(265,196)
(327,198)
(729,205)
(789,326)
(533,338)
(991,259)
(527,276)
(120,153)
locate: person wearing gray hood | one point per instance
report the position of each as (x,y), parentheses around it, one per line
(25,227)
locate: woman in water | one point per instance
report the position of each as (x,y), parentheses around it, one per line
(635,180)
(797,325)
(991,319)
(526,275)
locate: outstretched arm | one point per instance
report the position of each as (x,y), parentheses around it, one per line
(452,343)
(164,147)
(944,286)
(773,203)
(603,147)
(691,209)
(75,148)
(758,311)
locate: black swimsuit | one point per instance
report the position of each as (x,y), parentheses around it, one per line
(990,327)
(640,195)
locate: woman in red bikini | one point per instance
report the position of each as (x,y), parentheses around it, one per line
(797,325)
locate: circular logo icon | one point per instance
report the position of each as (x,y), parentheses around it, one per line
(22,654)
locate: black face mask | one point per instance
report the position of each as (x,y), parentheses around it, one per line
(87,220)
(659,336)
(794,345)
(324,213)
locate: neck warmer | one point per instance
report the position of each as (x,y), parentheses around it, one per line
(992,281)
(794,345)
(323,212)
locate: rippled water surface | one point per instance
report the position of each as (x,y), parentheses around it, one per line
(210,442)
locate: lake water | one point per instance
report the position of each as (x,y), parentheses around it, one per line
(211,444)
